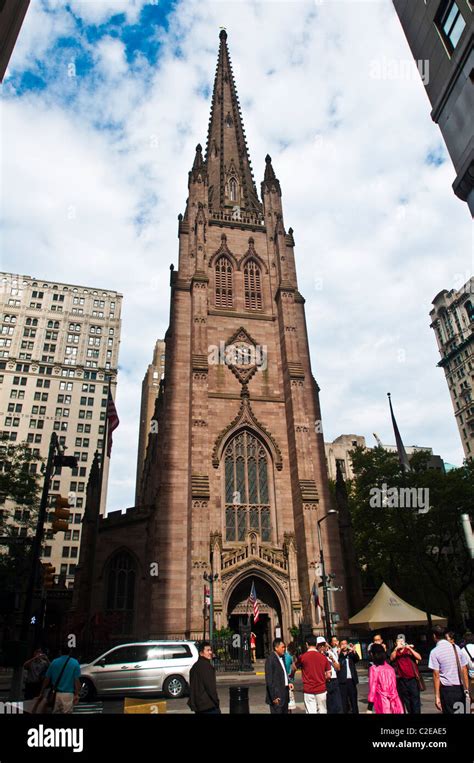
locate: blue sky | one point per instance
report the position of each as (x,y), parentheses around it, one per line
(103,105)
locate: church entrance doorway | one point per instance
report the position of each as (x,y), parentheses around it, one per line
(241,618)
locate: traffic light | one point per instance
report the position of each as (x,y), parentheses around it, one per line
(61,515)
(48,574)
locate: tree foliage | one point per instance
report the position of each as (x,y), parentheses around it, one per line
(19,502)
(421,554)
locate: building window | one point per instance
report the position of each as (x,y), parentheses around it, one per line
(120,594)
(223,282)
(247,503)
(450,23)
(253,287)
(233,189)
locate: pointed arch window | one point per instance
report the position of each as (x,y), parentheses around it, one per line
(224,289)
(120,592)
(253,286)
(233,189)
(247,503)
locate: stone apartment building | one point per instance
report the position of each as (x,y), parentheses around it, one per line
(59,344)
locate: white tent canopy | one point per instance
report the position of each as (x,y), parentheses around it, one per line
(387,610)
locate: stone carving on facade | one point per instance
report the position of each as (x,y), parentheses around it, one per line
(246,417)
(199,505)
(252,254)
(216,541)
(243,348)
(257,566)
(253,554)
(223,250)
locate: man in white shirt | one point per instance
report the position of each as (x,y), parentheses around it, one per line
(334,702)
(450,678)
(347,676)
(276,679)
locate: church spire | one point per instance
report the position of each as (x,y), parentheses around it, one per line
(231,182)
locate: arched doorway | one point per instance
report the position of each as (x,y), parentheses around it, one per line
(240,612)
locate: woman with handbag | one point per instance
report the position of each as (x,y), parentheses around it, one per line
(409,681)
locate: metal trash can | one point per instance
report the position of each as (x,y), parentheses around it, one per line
(239,700)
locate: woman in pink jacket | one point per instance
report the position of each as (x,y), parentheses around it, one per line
(383,696)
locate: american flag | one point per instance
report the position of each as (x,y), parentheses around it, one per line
(317,603)
(112,422)
(254,601)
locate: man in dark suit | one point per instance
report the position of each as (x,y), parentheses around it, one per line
(203,696)
(347,676)
(276,679)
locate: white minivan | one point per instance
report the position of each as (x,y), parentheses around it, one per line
(140,668)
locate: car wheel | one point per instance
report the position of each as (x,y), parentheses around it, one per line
(174,687)
(87,692)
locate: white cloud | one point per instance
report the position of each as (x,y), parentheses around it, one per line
(111,56)
(98,11)
(37,34)
(378,231)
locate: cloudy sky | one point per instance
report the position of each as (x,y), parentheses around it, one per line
(103,104)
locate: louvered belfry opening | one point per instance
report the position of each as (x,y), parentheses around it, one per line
(223,283)
(253,286)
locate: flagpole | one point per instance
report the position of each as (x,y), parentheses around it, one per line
(104,441)
(247,612)
(314,588)
(405,464)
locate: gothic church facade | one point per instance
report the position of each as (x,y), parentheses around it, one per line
(235,479)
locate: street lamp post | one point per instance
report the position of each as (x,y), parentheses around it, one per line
(327,614)
(211,579)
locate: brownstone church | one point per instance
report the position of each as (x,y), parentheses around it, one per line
(234,480)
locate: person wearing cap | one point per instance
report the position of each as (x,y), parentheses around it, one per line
(315,669)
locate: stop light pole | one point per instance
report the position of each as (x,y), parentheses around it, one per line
(55,458)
